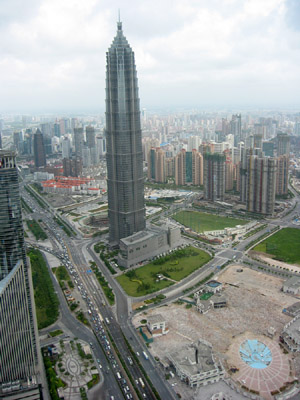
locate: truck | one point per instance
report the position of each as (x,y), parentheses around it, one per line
(145,355)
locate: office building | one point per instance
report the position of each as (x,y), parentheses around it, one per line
(78,141)
(100,146)
(39,150)
(261,184)
(124,156)
(214,177)
(19,358)
(90,137)
(66,147)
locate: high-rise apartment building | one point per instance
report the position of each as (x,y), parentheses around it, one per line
(72,166)
(214,177)
(183,167)
(19,359)
(39,149)
(156,165)
(283,144)
(282,175)
(124,156)
(261,184)
(236,128)
(197,173)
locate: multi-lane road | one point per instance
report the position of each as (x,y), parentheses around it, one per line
(113,324)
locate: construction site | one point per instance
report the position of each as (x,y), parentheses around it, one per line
(254,312)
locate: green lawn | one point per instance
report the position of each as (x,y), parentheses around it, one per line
(200,222)
(283,245)
(178,265)
(46,301)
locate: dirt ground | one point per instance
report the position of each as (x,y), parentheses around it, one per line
(255,303)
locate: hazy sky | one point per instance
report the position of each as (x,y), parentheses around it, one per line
(189,53)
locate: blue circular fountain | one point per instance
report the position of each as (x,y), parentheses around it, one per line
(255,353)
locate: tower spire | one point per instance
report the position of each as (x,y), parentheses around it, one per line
(119,21)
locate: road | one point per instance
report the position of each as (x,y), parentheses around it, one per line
(116,320)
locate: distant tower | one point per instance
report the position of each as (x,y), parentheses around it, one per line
(214,177)
(19,358)
(39,150)
(124,157)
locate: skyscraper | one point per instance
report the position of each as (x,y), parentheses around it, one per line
(124,157)
(39,150)
(19,359)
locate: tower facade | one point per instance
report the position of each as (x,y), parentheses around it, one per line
(18,335)
(124,156)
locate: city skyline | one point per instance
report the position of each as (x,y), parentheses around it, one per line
(200,54)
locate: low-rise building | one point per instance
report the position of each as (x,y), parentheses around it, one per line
(195,364)
(148,243)
(292,285)
(218,301)
(213,286)
(156,325)
(291,334)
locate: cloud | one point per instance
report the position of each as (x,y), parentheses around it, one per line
(224,51)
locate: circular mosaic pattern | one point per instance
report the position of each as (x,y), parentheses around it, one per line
(255,354)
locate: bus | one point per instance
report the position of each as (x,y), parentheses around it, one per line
(145,355)
(141,382)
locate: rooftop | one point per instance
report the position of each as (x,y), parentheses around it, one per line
(194,359)
(155,319)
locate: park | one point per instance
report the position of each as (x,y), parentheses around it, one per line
(162,272)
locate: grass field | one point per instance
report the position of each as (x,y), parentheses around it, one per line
(283,245)
(178,265)
(200,222)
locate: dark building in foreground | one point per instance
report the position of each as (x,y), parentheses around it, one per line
(19,360)
(124,157)
(39,150)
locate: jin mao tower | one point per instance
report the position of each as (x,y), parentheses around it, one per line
(124,157)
